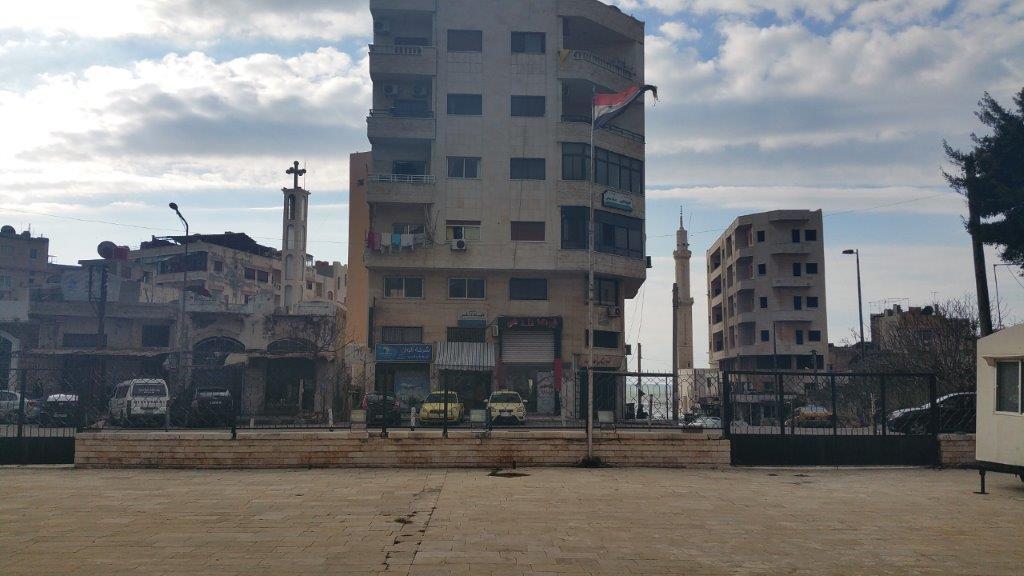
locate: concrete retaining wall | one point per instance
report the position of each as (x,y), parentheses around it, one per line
(956,450)
(401,449)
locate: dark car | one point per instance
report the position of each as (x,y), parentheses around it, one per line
(957,413)
(60,410)
(383,409)
(211,406)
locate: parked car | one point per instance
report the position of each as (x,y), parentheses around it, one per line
(704,422)
(957,413)
(210,406)
(432,410)
(810,416)
(10,403)
(506,406)
(142,400)
(383,409)
(60,410)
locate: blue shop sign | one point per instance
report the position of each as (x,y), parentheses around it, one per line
(420,353)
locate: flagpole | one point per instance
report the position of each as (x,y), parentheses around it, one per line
(591,172)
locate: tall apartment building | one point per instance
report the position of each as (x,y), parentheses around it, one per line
(766,293)
(478,195)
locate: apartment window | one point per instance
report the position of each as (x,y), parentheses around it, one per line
(763,301)
(403,287)
(796,235)
(814,335)
(528,231)
(156,336)
(406,228)
(799,336)
(528,106)
(466,288)
(762,269)
(528,289)
(575,161)
(528,42)
(401,334)
(465,104)
(812,301)
(462,230)
(1008,386)
(250,273)
(605,339)
(812,268)
(760,235)
(618,171)
(798,303)
(765,336)
(526,169)
(797,269)
(465,41)
(462,334)
(262,276)
(218,266)
(463,167)
(574,227)
(617,234)
(409,167)
(33,253)
(607,291)
(811,235)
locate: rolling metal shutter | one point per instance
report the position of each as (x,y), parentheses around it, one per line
(528,347)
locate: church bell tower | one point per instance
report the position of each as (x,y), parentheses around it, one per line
(293,239)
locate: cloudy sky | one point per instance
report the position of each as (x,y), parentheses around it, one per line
(111,109)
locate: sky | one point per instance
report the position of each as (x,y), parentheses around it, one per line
(112,109)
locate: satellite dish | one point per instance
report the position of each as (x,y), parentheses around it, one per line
(106,249)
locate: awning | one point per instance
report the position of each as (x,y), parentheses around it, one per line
(464,356)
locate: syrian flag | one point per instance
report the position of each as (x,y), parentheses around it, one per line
(608,106)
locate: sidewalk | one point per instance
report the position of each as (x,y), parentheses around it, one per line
(549,521)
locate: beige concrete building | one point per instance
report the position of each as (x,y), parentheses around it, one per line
(478,193)
(766,293)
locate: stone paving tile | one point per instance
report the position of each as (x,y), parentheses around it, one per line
(58,521)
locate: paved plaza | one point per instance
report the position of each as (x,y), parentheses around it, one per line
(59,520)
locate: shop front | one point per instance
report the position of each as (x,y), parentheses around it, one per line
(531,360)
(467,368)
(404,371)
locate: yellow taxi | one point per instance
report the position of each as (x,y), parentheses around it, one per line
(432,410)
(506,406)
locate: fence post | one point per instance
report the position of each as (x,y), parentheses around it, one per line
(835,416)
(726,392)
(782,403)
(881,385)
(675,395)
(933,405)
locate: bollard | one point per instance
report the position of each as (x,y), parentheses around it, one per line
(412,417)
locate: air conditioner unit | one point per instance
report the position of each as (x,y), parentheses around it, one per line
(382,27)
(420,91)
(459,245)
(392,90)
(614,311)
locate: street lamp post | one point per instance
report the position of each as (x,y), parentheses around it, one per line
(184,285)
(860,298)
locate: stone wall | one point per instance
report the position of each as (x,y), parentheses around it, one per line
(401,449)
(956,450)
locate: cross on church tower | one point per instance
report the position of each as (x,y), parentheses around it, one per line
(295,171)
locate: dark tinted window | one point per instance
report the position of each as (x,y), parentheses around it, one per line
(574,227)
(527,105)
(764,301)
(812,301)
(760,235)
(811,235)
(814,335)
(765,336)
(463,334)
(155,336)
(798,303)
(463,167)
(618,171)
(526,169)
(762,269)
(575,161)
(528,42)
(528,289)
(401,334)
(797,269)
(466,288)
(149,390)
(465,104)
(533,231)
(812,267)
(606,339)
(465,41)
(617,234)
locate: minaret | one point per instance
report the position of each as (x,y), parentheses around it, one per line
(684,309)
(293,236)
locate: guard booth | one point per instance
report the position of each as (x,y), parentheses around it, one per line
(1000,427)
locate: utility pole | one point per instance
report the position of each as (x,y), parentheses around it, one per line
(675,351)
(978,247)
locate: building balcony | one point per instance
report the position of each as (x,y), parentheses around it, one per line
(611,137)
(413,5)
(785,248)
(585,65)
(208,306)
(796,316)
(384,124)
(414,60)
(792,282)
(603,15)
(401,188)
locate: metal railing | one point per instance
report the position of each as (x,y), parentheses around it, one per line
(397,113)
(629,134)
(420,179)
(616,67)
(397,50)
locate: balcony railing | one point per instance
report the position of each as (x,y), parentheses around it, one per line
(398,113)
(619,68)
(404,178)
(390,243)
(634,136)
(397,50)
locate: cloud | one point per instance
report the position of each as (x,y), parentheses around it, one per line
(831,199)
(679,32)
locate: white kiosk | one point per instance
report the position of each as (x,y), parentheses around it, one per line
(1000,430)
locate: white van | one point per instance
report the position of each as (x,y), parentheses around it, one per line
(138,400)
